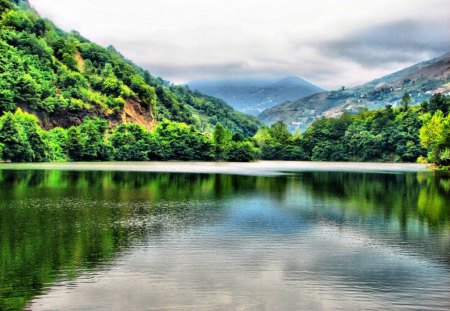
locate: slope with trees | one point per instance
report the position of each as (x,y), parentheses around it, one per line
(420,82)
(63,78)
(404,134)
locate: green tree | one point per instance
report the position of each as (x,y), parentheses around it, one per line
(222,139)
(87,142)
(5,5)
(6,97)
(279,132)
(241,151)
(404,104)
(439,102)
(29,91)
(178,141)
(15,145)
(131,142)
(276,143)
(69,60)
(435,137)
(35,136)
(322,130)
(88,67)
(57,139)
(18,20)
(403,136)
(95,146)
(74,144)
(328,151)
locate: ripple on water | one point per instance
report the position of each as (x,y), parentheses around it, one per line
(313,241)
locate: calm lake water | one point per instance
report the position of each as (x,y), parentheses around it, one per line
(315,237)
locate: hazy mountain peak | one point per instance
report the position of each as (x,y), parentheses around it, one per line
(253,95)
(420,81)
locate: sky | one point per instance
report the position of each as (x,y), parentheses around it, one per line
(331,43)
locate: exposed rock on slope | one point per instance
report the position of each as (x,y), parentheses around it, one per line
(63,78)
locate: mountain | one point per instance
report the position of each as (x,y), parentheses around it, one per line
(419,81)
(62,78)
(252,96)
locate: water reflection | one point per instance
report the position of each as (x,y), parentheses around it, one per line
(309,240)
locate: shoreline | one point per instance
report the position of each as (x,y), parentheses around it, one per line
(235,168)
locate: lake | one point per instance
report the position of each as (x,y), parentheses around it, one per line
(224,236)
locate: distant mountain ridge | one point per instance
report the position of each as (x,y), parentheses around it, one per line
(252,96)
(420,81)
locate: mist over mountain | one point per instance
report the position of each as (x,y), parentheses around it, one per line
(252,96)
(420,81)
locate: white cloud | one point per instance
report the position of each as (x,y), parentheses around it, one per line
(183,40)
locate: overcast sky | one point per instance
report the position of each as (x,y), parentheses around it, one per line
(331,43)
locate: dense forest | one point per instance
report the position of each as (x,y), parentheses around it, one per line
(64,78)
(63,98)
(404,134)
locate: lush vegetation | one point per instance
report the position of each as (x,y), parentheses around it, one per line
(63,78)
(23,140)
(65,98)
(405,134)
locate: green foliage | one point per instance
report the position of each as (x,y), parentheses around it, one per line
(6,97)
(35,136)
(435,136)
(279,132)
(276,143)
(324,133)
(241,151)
(222,140)
(404,103)
(57,140)
(215,110)
(380,135)
(28,91)
(363,145)
(5,5)
(17,20)
(15,146)
(404,136)
(64,78)
(87,142)
(51,72)
(22,139)
(178,141)
(131,142)
(385,135)
(236,148)
(329,151)
(438,102)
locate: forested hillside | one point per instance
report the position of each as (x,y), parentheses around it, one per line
(65,98)
(404,134)
(420,82)
(63,78)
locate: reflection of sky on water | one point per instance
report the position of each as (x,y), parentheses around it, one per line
(310,240)
(266,254)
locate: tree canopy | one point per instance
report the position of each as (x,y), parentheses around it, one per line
(63,78)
